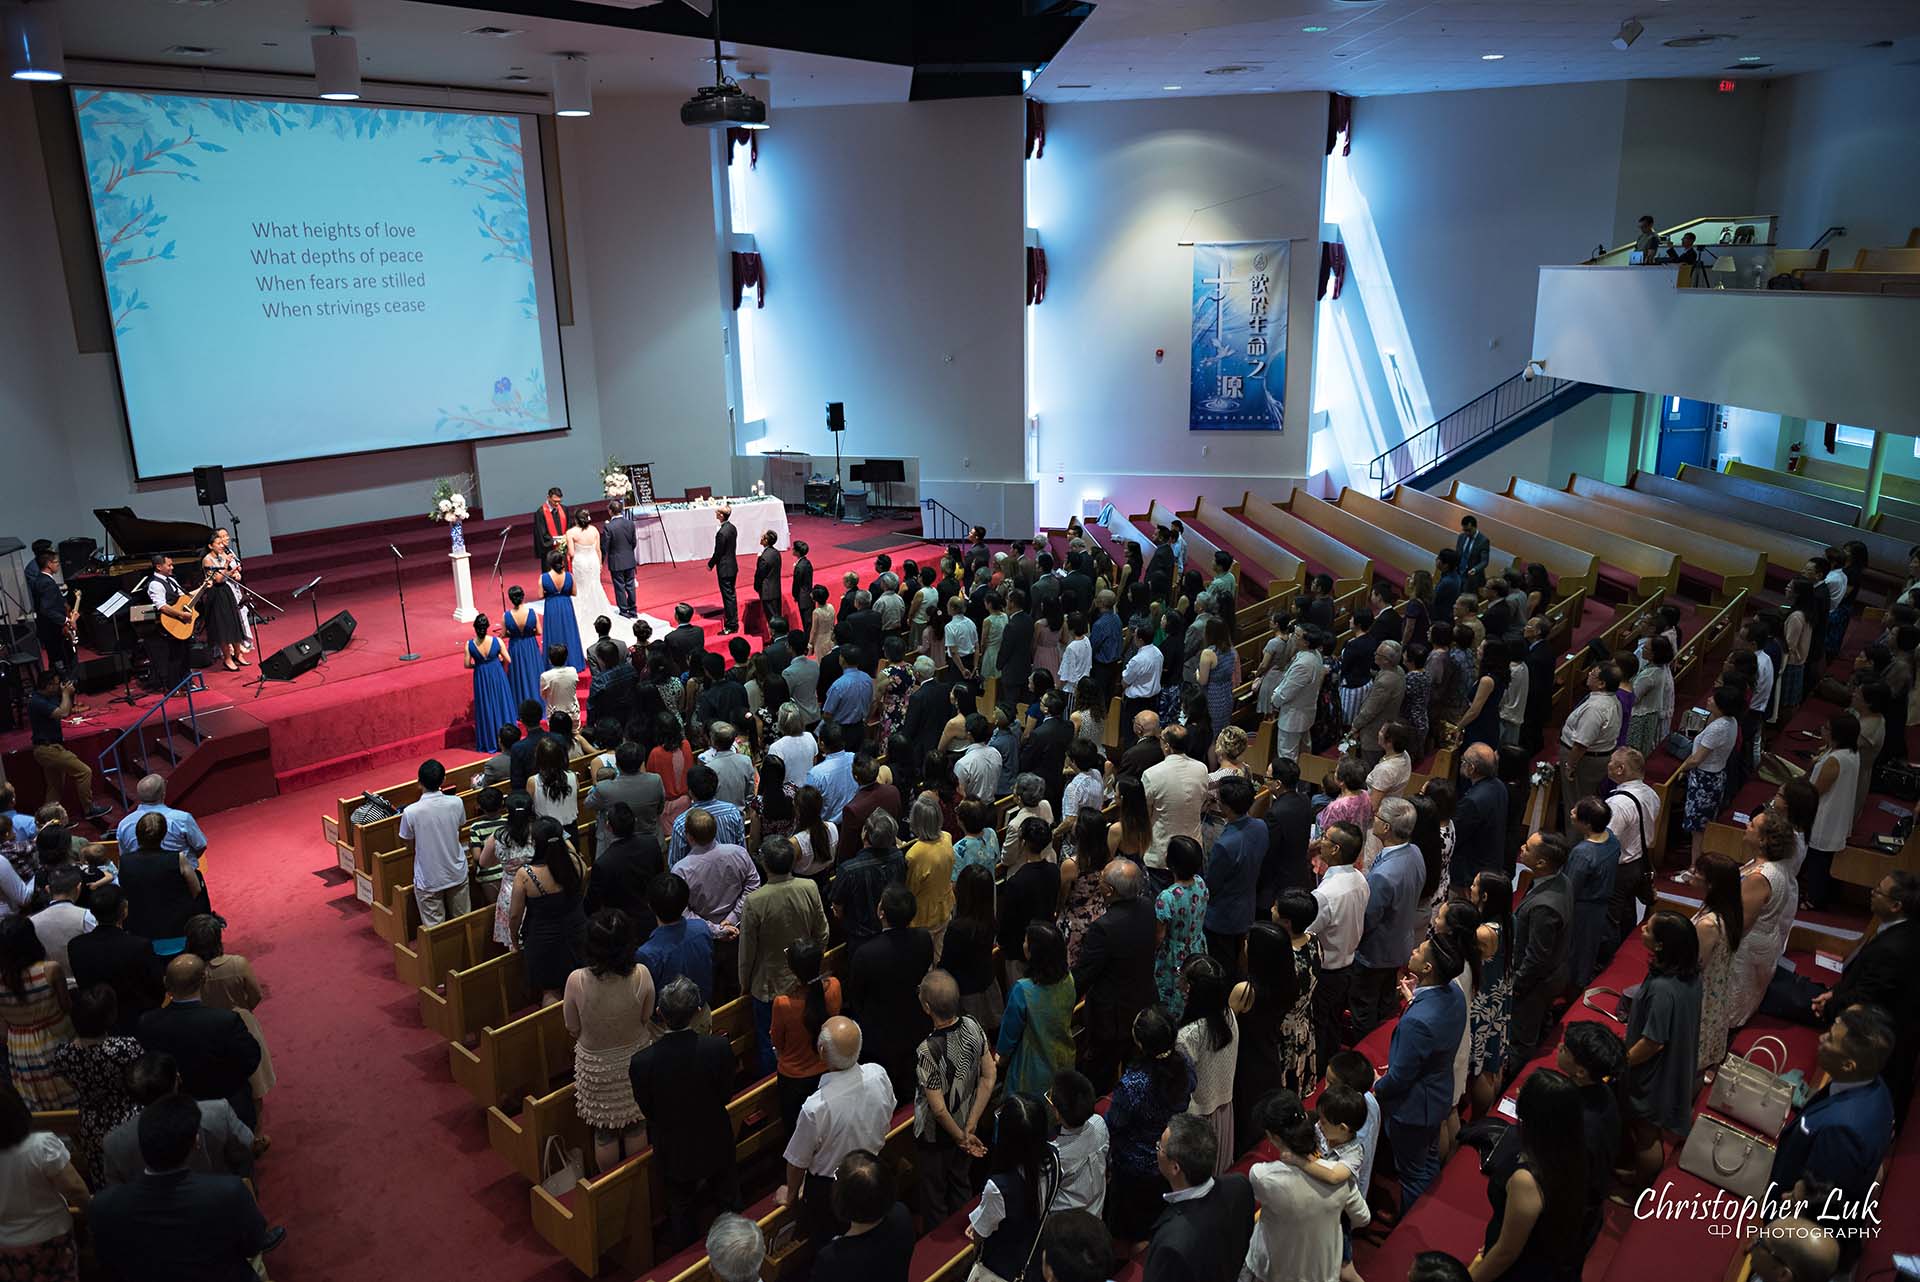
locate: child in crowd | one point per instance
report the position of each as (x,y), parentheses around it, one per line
(1081,1146)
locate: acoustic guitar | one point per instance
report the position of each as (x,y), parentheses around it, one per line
(181,629)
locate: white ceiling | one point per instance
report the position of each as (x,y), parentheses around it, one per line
(426,44)
(1134,48)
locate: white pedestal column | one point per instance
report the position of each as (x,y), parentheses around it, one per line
(462,588)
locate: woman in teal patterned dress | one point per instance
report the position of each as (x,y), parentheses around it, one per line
(1036,1032)
(1179,911)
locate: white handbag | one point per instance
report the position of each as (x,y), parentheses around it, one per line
(561,1167)
(1753,1094)
(1728,1157)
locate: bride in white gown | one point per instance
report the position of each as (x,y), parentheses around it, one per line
(589,597)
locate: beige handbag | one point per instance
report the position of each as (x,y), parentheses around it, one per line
(561,1167)
(1728,1157)
(1751,1093)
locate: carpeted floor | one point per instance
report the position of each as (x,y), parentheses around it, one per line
(380,1166)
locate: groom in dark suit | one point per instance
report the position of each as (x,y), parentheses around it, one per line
(726,569)
(618,542)
(549,526)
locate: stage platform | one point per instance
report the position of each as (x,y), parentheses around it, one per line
(363,707)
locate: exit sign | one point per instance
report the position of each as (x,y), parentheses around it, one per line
(1728,86)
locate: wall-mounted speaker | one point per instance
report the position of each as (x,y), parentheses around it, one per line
(290,661)
(337,631)
(836,416)
(210,485)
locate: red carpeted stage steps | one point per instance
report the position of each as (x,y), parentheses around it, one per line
(363,708)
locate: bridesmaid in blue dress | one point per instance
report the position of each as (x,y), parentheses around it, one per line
(556,586)
(493,704)
(522,626)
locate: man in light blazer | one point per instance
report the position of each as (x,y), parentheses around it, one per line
(1297,698)
(619,539)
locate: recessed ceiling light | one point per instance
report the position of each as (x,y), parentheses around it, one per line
(1749,57)
(1313,31)
(1073,86)
(1492,57)
(189,51)
(197,4)
(516,78)
(1695,42)
(1169,88)
(497,33)
(1230,69)
(1881,44)
(269,44)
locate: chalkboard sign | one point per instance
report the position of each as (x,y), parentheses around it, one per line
(641,474)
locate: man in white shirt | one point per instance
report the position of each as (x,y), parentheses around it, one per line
(1834,579)
(852,1108)
(1634,817)
(1140,678)
(733,768)
(1589,735)
(1176,790)
(1076,660)
(432,824)
(960,639)
(978,770)
(61,921)
(1342,899)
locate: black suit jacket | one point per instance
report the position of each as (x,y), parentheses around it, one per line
(1160,568)
(1045,754)
(1540,663)
(722,561)
(622,871)
(976,558)
(883,991)
(687,643)
(803,582)
(1016,657)
(180,1226)
(1881,972)
(617,541)
(766,575)
(1287,866)
(1542,935)
(1115,974)
(123,962)
(213,1048)
(866,632)
(1203,1239)
(928,710)
(682,1083)
(1479,831)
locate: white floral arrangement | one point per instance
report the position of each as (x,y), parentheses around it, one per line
(614,479)
(449,500)
(1542,774)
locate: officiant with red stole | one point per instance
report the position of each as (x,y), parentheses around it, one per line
(550,528)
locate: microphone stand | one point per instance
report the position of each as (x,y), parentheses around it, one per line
(313,598)
(498,584)
(259,645)
(401,583)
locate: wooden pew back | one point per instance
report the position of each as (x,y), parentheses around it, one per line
(1655,568)
(1786,550)
(466,940)
(1739,565)
(1417,529)
(487,992)
(1379,545)
(1571,567)
(1748,501)
(1349,567)
(1281,567)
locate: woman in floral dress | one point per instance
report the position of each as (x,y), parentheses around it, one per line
(1492,1005)
(512,849)
(96,1065)
(901,680)
(1083,857)
(1718,924)
(1179,910)
(1299,1055)
(33,1005)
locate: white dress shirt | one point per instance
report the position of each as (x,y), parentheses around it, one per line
(1141,677)
(1342,897)
(1595,724)
(852,1108)
(1836,585)
(1762,683)
(1076,663)
(1625,820)
(978,771)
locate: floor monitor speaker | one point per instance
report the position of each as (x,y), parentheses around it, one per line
(289,662)
(337,631)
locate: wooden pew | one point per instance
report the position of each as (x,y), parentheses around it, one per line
(1571,567)
(1905,488)
(1773,494)
(1702,653)
(1382,547)
(519,1058)
(1200,549)
(487,992)
(1654,569)
(1418,530)
(1738,565)
(1783,550)
(1785,509)
(1900,511)
(1350,569)
(467,940)
(1282,568)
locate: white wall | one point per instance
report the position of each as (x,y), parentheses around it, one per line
(892,236)
(1842,148)
(1112,198)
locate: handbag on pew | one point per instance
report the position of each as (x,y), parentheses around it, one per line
(372,809)
(1623,1008)
(561,1167)
(1727,1157)
(1752,1093)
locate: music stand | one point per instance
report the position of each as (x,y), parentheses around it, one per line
(884,471)
(109,609)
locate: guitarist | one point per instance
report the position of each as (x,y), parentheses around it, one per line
(168,654)
(52,618)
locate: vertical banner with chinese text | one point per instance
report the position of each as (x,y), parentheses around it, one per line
(1239,372)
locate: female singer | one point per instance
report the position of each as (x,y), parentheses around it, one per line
(493,703)
(522,626)
(217,604)
(556,590)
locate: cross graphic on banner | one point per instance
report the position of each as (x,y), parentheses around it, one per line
(1219,296)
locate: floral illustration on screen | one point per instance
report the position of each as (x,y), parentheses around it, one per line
(510,407)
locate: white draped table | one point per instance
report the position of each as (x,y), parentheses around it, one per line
(689,529)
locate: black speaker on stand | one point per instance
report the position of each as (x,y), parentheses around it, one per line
(836,424)
(210,488)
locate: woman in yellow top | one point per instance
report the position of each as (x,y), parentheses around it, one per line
(930,869)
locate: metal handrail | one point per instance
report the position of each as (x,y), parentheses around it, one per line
(956,527)
(1478,418)
(187,687)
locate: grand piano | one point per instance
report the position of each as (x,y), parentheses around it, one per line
(139,540)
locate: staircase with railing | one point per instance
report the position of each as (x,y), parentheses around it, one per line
(112,765)
(1474,430)
(941,524)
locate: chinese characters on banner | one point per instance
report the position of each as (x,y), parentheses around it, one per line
(1239,372)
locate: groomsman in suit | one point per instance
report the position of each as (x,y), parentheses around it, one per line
(549,526)
(726,569)
(1474,551)
(766,583)
(619,547)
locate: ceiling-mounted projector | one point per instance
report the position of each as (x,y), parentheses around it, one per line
(724,105)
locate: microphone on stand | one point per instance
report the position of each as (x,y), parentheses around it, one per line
(299,592)
(400,584)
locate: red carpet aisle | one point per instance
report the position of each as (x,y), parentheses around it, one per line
(380,1166)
